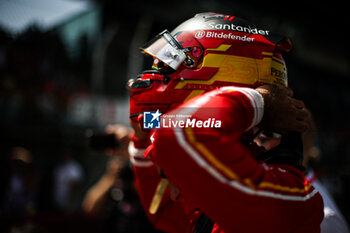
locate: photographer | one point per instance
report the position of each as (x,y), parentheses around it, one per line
(114,195)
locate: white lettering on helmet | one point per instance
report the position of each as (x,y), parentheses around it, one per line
(223,35)
(232,27)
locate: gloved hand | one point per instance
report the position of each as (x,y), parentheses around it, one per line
(282,113)
(140,137)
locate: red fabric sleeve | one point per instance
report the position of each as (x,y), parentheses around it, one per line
(170,216)
(215,170)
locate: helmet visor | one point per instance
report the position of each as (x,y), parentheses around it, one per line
(166,49)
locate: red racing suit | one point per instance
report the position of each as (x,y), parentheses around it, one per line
(217,172)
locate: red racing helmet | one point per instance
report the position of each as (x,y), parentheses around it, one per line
(205,52)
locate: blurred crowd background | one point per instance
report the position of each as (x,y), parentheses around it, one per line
(64,65)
